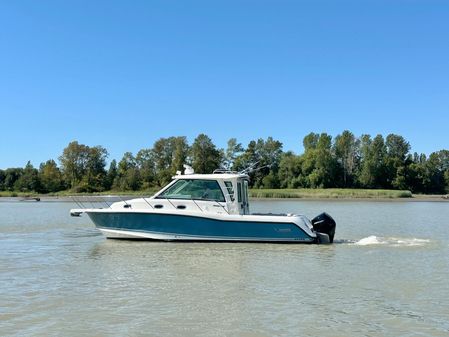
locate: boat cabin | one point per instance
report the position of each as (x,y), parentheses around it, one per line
(226,189)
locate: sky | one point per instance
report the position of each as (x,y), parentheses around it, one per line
(123,74)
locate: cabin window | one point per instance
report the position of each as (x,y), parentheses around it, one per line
(230,189)
(239,192)
(197,189)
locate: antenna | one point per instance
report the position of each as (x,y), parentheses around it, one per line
(251,168)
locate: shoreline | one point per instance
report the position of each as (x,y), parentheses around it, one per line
(417,198)
(117,197)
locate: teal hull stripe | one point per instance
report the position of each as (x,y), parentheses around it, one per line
(193,226)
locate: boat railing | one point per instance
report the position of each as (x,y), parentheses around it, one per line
(101,202)
(224,171)
(85,202)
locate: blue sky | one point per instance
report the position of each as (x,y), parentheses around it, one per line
(124,73)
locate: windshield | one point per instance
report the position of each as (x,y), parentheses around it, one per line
(194,189)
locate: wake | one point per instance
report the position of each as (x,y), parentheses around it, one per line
(391,241)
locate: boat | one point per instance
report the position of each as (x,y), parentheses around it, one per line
(28,198)
(205,207)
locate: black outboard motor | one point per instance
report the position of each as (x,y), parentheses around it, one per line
(324,223)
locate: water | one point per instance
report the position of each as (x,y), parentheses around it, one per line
(386,275)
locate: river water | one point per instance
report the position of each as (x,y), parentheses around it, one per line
(386,275)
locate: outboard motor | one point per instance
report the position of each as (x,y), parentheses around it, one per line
(324,223)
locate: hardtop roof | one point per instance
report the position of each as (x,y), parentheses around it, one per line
(216,176)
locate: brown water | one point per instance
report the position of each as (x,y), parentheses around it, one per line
(387,275)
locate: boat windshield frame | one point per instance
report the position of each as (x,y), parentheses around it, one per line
(197,189)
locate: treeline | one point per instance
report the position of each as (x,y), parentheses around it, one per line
(346,161)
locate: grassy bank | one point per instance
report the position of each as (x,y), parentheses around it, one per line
(305,193)
(329,193)
(17,194)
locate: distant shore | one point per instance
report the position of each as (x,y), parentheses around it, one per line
(345,194)
(274,194)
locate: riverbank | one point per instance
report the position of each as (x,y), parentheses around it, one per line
(302,193)
(329,193)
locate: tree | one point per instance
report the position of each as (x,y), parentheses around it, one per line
(145,164)
(446,181)
(83,167)
(94,178)
(50,177)
(310,141)
(180,153)
(169,156)
(128,177)
(248,158)
(205,156)
(264,156)
(2,180)
(373,173)
(163,156)
(269,153)
(346,148)
(290,174)
(232,152)
(416,173)
(73,163)
(11,176)
(111,175)
(397,161)
(437,167)
(319,166)
(444,166)
(28,180)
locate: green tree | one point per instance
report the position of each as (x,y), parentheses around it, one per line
(233,150)
(145,164)
(128,177)
(437,167)
(310,141)
(94,179)
(319,166)
(346,148)
(446,181)
(373,173)
(248,158)
(73,163)
(270,154)
(180,153)
(11,176)
(264,156)
(83,167)
(163,156)
(205,156)
(397,161)
(50,177)
(169,156)
(111,175)
(28,180)
(2,180)
(290,173)
(417,174)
